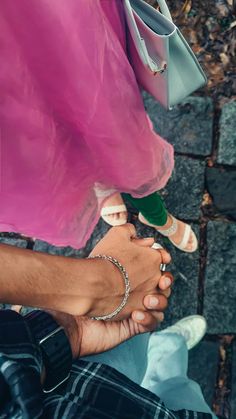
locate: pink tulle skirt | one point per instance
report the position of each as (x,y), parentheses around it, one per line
(72,122)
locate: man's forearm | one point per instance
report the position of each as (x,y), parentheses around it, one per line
(53,282)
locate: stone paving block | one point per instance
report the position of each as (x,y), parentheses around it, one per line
(188,126)
(227,141)
(184,191)
(221,185)
(203,367)
(233,385)
(185,268)
(220,278)
(99,232)
(42,246)
(14,242)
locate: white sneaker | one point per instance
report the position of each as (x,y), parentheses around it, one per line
(192,328)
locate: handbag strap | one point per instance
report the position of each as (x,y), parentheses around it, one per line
(165,9)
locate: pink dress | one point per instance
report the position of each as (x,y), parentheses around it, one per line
(71,118)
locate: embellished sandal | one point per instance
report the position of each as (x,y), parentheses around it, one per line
(172,230)
(115,209)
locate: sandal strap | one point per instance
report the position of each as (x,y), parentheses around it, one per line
(186,236)
(171,230)
(115,209)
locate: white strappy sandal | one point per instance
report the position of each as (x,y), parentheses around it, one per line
(172,230)
(115,209)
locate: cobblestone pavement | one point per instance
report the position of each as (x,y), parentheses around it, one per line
(201,191)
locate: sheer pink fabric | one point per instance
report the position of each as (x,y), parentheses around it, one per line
(71,116)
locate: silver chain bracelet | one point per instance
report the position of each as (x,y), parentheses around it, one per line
(126,281)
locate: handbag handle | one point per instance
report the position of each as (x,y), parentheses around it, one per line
(140,42)
(165,9)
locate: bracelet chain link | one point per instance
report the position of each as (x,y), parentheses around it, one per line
(126,281)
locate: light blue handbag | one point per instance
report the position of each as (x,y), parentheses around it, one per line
(163,62)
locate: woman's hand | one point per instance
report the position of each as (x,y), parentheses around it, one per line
(86,287)
(143,266)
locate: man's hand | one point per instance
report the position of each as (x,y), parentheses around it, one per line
(100,336)
(89,337)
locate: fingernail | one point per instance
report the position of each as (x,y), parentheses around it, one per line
(167,281)
(139,316)
(153,301)
(157,246)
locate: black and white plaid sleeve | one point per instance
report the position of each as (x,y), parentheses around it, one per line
(93,391)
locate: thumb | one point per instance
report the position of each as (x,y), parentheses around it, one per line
(126,231)
(144,242)
(146,321)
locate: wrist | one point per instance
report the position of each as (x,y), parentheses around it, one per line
(51,339)
(107,285)
(71,329)
(125,278)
